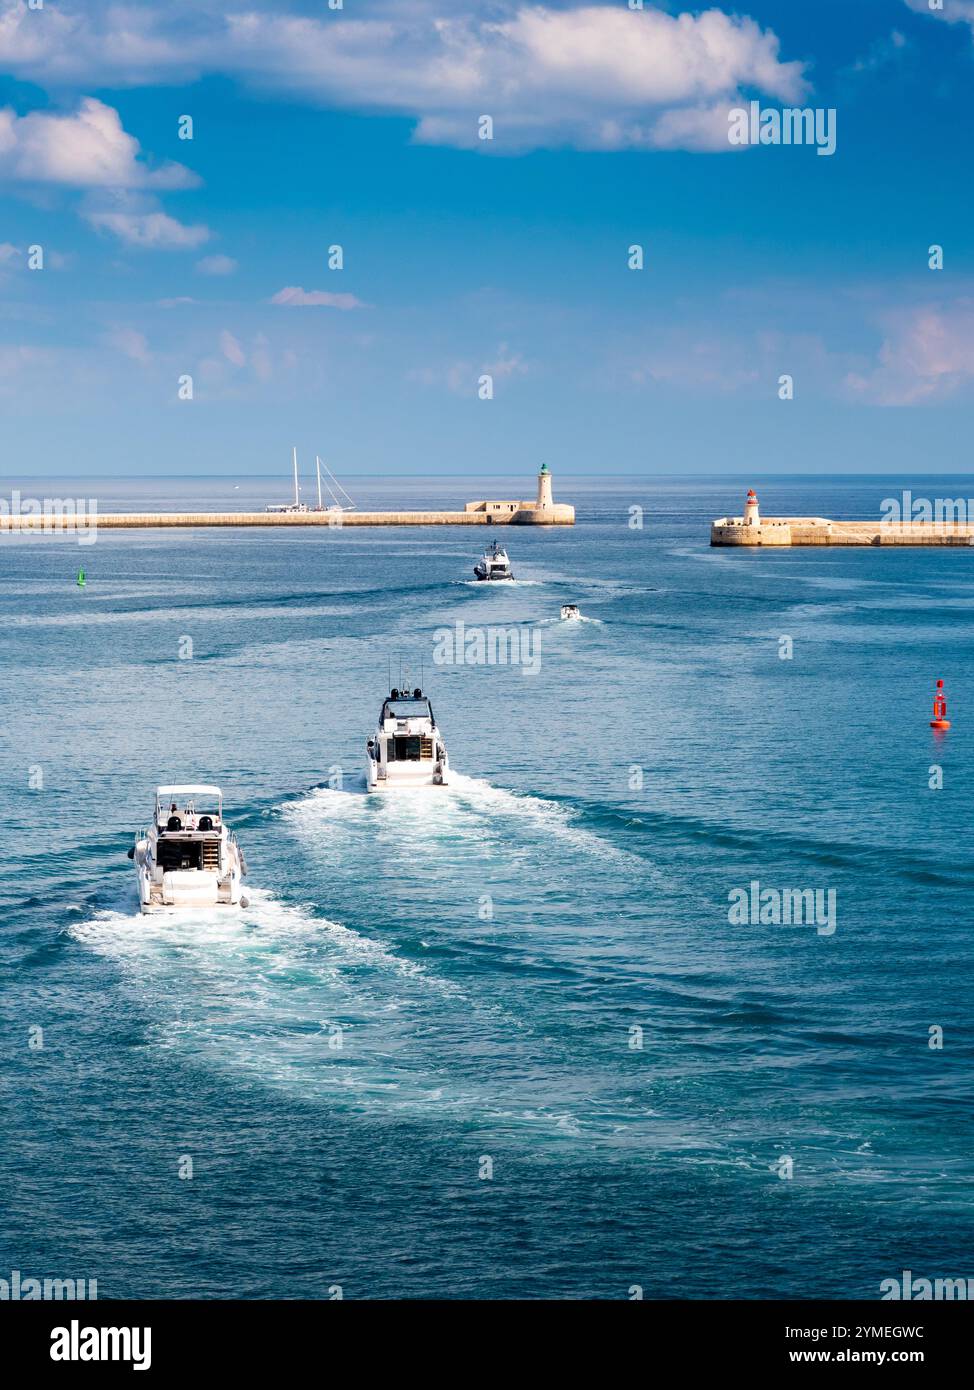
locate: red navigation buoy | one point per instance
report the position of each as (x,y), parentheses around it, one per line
(940,720)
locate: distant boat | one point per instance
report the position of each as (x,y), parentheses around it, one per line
(297,505)
(570,613)
(81,579)
(337,504)
(494,565)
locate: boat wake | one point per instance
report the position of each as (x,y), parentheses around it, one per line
(486,584)
(280,997)
(569,623)
(275,992)
(470,813)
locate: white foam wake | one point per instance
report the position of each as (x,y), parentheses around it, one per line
(467,809)
(262,991)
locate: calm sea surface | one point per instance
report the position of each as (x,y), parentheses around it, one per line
(533,972)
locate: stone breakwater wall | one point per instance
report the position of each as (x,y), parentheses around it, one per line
(559,515)
(800,530)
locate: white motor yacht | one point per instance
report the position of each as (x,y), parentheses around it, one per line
(188,858)
(570,613)
(407,749)
(494,565)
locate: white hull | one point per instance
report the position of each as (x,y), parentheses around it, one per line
(407,750)
(188,860)
(494,566)
(397,779)
(195,889)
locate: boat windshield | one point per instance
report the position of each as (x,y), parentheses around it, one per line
(189,803)
(408,709)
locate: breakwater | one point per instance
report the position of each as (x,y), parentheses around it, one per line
(816,530)
(52,515)
(753,530)
(134,520)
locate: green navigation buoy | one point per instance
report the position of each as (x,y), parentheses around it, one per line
(81,579)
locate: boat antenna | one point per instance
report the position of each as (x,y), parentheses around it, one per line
(295,451)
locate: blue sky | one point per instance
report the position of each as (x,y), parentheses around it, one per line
(358,126)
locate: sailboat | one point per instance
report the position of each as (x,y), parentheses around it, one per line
(297,505)
(337,505)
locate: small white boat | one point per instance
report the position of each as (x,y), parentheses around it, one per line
(407,749)
(570,613)
(494,565)
(188,858)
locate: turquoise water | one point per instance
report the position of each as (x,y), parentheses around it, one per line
(500,1030)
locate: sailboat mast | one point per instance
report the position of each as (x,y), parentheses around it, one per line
(295,475)
(318,466)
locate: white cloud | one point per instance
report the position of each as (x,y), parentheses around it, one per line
(506,363)
(882,52)
(686,128)
(216,265)
(594,76)
(239,366)
(19,361)
(295,297)
(927,355)
(231,349)
(261,359)
(86,149)
(954,11)
(462,376)
(8,252)
(129,342)
(149,230)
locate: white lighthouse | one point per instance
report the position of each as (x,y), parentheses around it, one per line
(544,502)
(752,514)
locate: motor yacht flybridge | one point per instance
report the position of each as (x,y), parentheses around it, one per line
(188,858)
(494,565)
(407,749)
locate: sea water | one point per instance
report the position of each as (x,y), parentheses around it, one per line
(501,1039)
